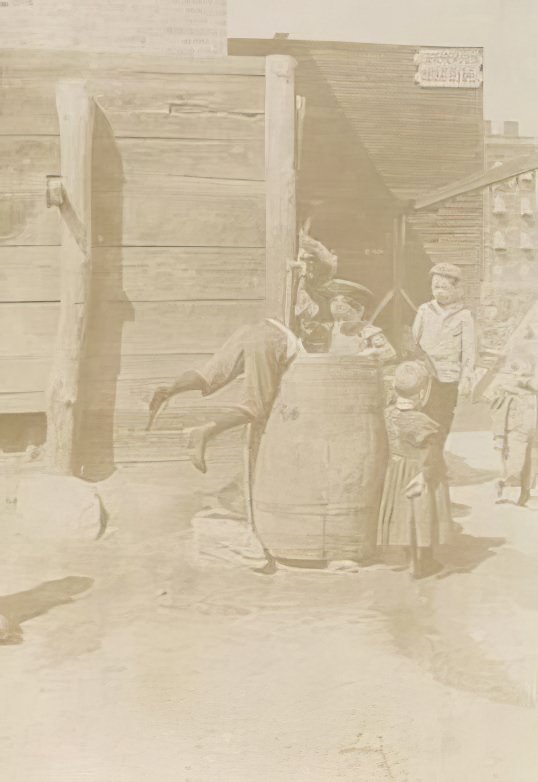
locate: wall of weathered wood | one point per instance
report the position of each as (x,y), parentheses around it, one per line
(178,216)
(373,138)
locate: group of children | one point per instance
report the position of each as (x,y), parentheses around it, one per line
(328,316)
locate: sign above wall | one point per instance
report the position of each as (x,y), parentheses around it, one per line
(454,68)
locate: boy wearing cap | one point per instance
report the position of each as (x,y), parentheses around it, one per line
(347,304)
(444,331)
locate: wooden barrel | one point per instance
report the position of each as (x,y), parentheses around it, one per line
(321,460)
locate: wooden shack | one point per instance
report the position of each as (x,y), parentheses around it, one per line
(374,140)
(192,220)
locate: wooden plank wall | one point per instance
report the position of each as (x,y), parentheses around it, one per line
(373,138)
(178,232)
(29,285)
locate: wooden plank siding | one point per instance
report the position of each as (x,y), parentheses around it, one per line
(178,214)
(180,273)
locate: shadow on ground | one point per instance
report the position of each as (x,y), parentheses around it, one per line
(23,606)
(466,552)
(460,473)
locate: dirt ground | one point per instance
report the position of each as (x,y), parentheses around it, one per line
(136,664)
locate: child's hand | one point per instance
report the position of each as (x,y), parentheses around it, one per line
(299,266)
(416,487)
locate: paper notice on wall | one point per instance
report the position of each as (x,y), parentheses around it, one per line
(455,68)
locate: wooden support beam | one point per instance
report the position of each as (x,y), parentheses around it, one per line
(409,301)
(398,246)
(478,181)
(300,112)
(76,116)
(281,228)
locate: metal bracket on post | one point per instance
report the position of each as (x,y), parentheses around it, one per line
(55,190)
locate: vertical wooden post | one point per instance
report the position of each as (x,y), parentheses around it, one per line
(398,247)
(76,115)
(280,221)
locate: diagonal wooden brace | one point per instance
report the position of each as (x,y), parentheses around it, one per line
(58,196)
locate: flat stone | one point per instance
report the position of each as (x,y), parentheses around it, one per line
(57,506)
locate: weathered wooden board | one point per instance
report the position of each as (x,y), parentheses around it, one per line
(168,105)
(146,366)
(25,220)
(134,395)
(218,158)
(180,211)
(131,443)
(25,162)
(166,327)
(22,402)
(23,374)
(28,329)
(29,274)
(181,94)
(166,273)
(164,124)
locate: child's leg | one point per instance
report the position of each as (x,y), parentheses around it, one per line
(262,357)
(500,482)
(201,435)
(224,366)
(526,476)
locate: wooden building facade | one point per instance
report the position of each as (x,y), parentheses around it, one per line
(198,183)
(192,218)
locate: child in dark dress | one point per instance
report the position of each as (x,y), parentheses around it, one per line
(415,505)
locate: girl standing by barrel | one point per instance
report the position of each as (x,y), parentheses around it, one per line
(415,504)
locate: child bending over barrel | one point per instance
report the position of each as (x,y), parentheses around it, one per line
(262,352)
(415,504)
(514,414)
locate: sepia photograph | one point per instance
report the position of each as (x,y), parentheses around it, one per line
(269,408)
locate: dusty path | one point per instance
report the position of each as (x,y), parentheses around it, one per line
(135,665)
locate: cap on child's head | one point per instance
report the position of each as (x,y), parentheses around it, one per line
(410,378)
(449,270)
(355,293)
